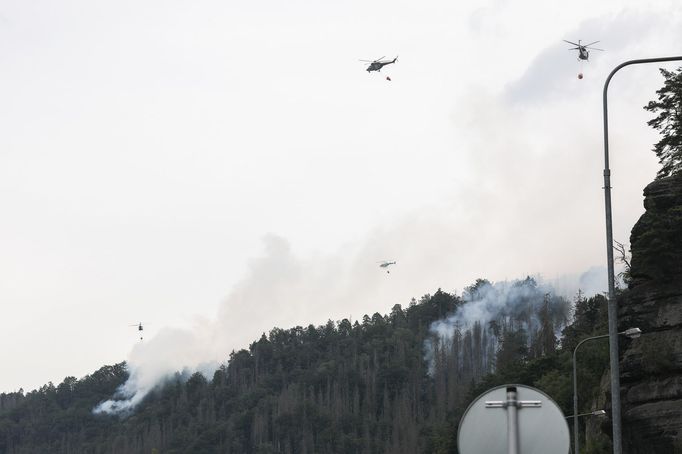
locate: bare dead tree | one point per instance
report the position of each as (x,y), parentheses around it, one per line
(622,257)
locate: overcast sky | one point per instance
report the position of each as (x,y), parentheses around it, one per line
(231,164)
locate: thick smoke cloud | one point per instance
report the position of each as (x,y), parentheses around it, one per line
(487,303)
(503,302)
(152,363)
(282,289)
(279,289)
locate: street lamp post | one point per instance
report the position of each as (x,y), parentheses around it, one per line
(612,309)
(632,333)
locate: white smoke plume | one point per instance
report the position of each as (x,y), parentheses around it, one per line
(484,304)
(152,363)
(282,289)
(592,282)
(517,301)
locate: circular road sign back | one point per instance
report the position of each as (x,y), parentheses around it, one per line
(513,419)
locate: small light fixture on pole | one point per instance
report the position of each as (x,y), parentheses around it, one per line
(591,413)
(631,333)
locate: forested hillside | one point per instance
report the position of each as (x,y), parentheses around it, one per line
(395,383)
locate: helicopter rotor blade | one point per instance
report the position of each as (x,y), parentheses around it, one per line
(570,42)
(367,61)
(585,45)
(378,59)
(573,48)
(594,48)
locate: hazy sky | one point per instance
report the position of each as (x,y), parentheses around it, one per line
(230,166)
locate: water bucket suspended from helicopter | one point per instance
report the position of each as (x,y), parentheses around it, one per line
(140,328)
(583,53)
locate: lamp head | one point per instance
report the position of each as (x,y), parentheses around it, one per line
(633,333)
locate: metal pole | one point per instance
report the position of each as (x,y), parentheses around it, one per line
(512,422)
(576,442)
(575,406)
(612,309)
(512,405)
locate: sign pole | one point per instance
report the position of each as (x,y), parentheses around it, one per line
(512,406)
(512,422)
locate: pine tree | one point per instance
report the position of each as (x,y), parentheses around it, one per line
(668,106)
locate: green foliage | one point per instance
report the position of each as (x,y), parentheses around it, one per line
(63,412)
(590,316)
(558,385)
(513,349)
(668,106)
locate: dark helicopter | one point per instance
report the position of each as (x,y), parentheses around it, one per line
(583,49)
(140,328)
(376,65)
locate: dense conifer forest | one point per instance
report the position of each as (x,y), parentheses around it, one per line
(395,383)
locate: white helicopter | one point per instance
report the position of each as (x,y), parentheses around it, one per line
(386,264)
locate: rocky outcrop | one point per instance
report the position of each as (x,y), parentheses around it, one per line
(651,366)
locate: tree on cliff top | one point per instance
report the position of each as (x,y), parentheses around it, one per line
(668,106)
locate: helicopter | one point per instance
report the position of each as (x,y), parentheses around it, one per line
(140,328)
(376,65)
(386,264)
(583,49)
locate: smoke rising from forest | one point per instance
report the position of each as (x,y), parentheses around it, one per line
(490,311)
(282,289)
(279,289)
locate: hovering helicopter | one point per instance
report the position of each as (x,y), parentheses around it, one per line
(376,65)
(140,328)
(583,49)
(386,264)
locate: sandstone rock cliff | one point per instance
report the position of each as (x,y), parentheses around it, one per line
(651,366)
